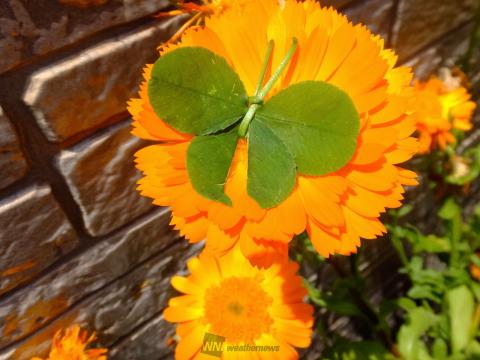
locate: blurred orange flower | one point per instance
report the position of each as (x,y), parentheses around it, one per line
(335,209)
(440,107)
(71,344)
(231,298)
(475,270)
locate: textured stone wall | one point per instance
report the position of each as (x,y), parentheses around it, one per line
(77,243)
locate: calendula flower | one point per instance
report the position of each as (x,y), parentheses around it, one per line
(336,209)
(246,305)
(72,343)
(441,107)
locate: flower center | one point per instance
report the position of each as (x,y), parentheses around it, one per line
(238,309)
(235,308)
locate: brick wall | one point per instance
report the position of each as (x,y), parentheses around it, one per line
(77,243)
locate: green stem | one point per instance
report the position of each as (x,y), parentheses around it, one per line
(271,82)
(260,94)
(264,67)
(455,236)
(247,119)
(398,245)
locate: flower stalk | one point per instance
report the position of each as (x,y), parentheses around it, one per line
(260,94)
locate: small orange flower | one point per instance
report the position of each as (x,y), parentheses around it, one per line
(230,298)
(336,209)
(440,107)
(475,270)
(70,344)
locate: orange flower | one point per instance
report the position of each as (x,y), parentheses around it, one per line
(71,344)
(335,209)
(475,270)
(440,107)
(230,298)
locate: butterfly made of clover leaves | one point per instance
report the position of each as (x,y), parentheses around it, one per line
(310,128)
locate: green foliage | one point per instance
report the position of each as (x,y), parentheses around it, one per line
(410,343)
(361,350)
(310,127)
(440,312)
(340,299)
(440,320)
(461,305)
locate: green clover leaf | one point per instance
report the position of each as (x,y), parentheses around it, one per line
(317,121)
(196,92)
(310,127)
(271,166)
(208,163)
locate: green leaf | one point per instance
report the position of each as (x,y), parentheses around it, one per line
(362,350)
(474,350)
(474,259)
(450,210)
(404,210)
(196,91)
(439,349)
(424,292)
(317,121)
(344,307)
(208,162)
(476,211)
(271,167)
(314,294)
(406,303)
(411,234)
(432,243)
(410,343)
(460,311)
(475,286)
(340,300)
